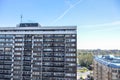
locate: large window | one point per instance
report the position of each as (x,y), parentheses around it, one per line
(70,74)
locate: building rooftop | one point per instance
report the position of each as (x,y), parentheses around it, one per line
(108,60)
(35,28)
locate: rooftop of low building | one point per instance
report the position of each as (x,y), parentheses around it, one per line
(109,60)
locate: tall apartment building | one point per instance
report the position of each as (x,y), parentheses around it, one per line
(106,68)
(33,52)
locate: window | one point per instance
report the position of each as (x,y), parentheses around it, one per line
(73,35)
(36,58)
(59,35)
(17,58)
(9,44)
(58,74)
(61,40)
(48,35)
(59,44)
(17,53)
(48,39)
(70,40)
(70,54)
(59,49)
(17,72)
(71,49)
(1,49)
(70,45)
(68,35)
(27,58)
(18,39)
(35,53)
(38,39)
(7,57)
(8,49)
(9,35)
(19,44)
(16,67)
(37,63)
(9,39)
(59,59)
(2,39)
(1,44)
(2,35)
(71,64)
(36,73)
(19,35)
(70,59)
(37,44)
(58,54)
(1,57)
(37,49)
(114,71)
(48,49)
(119,71)
(73,40)
(70,74)
(38,35)
(18,48)
(47,44)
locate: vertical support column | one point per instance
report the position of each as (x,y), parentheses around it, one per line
(32,57)
(41,57)
(76,53)
(64,55)
(22,58)
(13,47)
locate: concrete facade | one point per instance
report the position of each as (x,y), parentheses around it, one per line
(33,52)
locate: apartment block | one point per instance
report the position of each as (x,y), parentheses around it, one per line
(106,67)
(30,51)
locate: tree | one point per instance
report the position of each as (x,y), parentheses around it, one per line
(85,59)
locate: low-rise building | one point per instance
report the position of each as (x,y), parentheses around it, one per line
(106,68)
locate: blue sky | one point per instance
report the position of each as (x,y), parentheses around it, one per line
(98,21)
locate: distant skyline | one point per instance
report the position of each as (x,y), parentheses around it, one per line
(97,21)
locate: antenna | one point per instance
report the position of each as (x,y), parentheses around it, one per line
(21,17)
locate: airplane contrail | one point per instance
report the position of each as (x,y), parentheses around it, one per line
(66,11)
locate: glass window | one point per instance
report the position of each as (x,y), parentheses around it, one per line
(70,74)
(70,59)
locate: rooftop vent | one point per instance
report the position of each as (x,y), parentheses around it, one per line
(28,25)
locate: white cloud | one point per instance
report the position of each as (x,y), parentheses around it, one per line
(101,41)
(103,25)
(99,44)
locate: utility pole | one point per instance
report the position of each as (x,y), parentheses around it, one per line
(21,17)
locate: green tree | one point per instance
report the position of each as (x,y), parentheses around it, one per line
(85,59)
